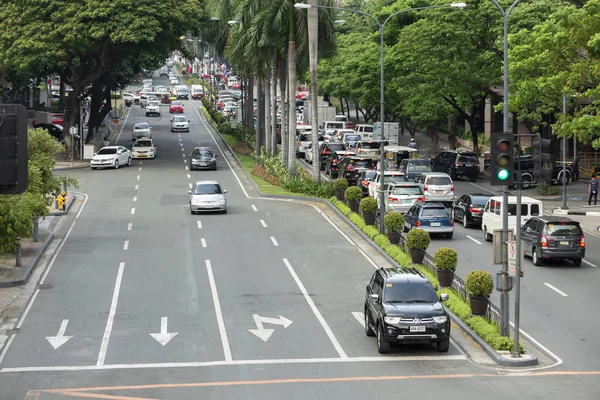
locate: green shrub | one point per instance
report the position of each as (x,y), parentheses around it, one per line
(382,241)
(372,232)
(417,239)
(445,258)
(393,221)
(479,283)
(353,193)
(340,184)
(368,205)
(544,190)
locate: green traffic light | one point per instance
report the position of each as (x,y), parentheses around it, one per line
(503,174)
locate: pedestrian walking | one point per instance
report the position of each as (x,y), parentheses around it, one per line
(412,144)
(575,167)
(593,190)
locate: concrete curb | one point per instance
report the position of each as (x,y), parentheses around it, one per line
(68,167)
(68,205)
(498,358)
(558,211)
(487,348)
(27,272)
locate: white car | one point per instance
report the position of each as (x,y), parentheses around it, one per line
(174,81)
(153,108)
(143,148)
(111,157)
(141,130)
(207,196)
(180,123)
(308,154)
(389,177)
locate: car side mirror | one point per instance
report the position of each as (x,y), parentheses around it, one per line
(95,153)
(189,192)
(444,297)
(374,296)
(216,155)
(225,191)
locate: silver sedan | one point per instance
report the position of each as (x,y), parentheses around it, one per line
(207,196)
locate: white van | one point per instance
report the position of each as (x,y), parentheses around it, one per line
(331,125)
(231,80)
(492,213)
(365,131)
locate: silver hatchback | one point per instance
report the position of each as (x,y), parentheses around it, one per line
(437,186)
(207,196)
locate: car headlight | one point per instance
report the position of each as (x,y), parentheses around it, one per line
(441,319)
(392,320)
(194,160)
(196,201)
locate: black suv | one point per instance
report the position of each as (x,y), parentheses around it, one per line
(553,237)
(457,163)
(326,150)
(401,306)
(350,167)
(525,165)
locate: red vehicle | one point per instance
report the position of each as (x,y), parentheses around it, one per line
(176,107)
(236,85)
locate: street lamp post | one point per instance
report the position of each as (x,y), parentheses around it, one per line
(382,86)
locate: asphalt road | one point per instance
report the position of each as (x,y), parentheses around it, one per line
(146,301)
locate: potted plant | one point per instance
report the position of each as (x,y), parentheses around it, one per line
(417,241)
(368,207)
(445,260)
(479,285)
(340,185)
(394,222)
(353,195)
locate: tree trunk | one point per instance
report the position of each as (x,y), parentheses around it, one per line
(435,138)
(274,108)
(259,118)
(284,111)
(313,37)
(267,112)
(69,119)
(452,139)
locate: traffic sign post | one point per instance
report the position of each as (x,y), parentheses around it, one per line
(512,257)
(14,172)
(73,131)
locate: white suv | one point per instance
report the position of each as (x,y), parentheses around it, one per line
(153,108)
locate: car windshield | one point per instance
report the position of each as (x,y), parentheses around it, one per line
(396,178)
(479,200)
(141,126)
(352,138)
(370,174)
(365,162)
(179,119)
(176,103)
(435,212)
(208,188)
(370,145)
(439,180)
(203,153)
(143,143)
(153,104)
(336,146)
(409,293)
(564,228)
(304,137)
(406,190)
(468,158)
(107,151)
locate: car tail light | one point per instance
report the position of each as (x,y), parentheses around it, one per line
(421,199)
(418,223)
(544,241)
(425,188)
(324,152)
(452,187)
(299,143)
(458,164)
(451,222)
(365,183)
(475,209)
(582,243)
(393,200)
(350,168)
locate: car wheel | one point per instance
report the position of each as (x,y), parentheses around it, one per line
(191,211)
(368,330)
(486,236)
(472,178)
(129,162)
(464,220)
(449,235)
(382,346)
(577,262)
(526,183)
(224,211)
(443,346)
(534,257)
(450,173)
(116,164)
(94,168)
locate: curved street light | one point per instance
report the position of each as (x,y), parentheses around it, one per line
(382,96)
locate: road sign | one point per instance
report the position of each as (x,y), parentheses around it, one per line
(498,244)
(73,131)
(512,257)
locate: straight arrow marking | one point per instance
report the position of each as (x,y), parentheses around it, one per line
(164,336)
(60,338)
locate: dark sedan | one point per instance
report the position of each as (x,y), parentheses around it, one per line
(364,179)
(468,209)
(327,149)
(54,130)
(203,158)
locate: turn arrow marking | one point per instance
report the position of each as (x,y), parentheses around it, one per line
(60,338)
(263,333)
(163,337)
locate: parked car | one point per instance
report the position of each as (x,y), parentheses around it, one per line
(365,177)
(180,123)
(203,158)
(413,167)
(143,148)
(207,196)
(469,208)
(400,197)
(111,157)
(457,163)
(331,168)
(141,130)
(55,130)
(350,167)
(327,149)
(430,216)
(525,165)
(437,186)
(389,176)
(401,306)
(553,237)
(176,107)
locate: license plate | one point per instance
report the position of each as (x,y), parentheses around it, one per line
(563,243)
(469,164)
(436,224)
(439,192)
(142,155)
(417,329)
(407,201)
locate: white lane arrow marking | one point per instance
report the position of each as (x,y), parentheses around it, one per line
(60,338)
(163,337)
(263,333)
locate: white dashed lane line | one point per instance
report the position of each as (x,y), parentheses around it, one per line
(186,167)
(590,264)
(138,177)
(274,241)
(126,245)
(203,241)
(263,223)
(183,155)
(134,198)
(473,239)
(141,162)
(190,185)
(129,226)
(140,168)
(137,187)
(199,224)
(132,211)
(189,176)
(254,207)
(556,290)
